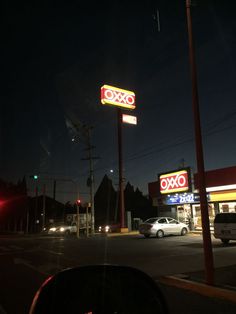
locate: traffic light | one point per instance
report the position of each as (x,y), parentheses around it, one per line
(34,176)
(78,202)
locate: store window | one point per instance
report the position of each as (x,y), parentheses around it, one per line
(229,207)
(197,218)
(225,208)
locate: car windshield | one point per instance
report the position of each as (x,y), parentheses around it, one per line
(225,218)
(116,115)
(151,220)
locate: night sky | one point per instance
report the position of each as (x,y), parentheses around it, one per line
(55,58)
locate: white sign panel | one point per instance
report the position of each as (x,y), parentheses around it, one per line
(129,119)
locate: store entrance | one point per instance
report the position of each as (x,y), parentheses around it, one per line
(184,214)
(197,218)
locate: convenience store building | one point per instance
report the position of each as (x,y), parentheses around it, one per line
(175,194)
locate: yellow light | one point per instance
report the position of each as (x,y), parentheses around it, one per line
(223,196)
(173,173)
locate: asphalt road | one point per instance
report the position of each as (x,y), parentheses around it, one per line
(27,261)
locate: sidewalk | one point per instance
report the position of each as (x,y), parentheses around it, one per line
(224,287)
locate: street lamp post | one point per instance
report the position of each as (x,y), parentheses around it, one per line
(207,245)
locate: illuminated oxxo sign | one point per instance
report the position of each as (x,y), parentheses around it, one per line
(174,182)
(117,97)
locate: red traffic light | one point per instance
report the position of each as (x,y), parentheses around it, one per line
(78,202)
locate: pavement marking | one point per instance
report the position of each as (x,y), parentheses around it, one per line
(21,261)
(15,247)
(3,248)
(52,252)
(200,288)
(45,269)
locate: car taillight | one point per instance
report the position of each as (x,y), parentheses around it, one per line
(149,226)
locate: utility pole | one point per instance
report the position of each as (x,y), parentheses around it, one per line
(78,220)
(36,208)
(90,181)
(54,189)
(44,205)
(85,132)
(207,245)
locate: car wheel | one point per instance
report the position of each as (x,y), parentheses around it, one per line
(225,241)
(147,235)
(160,234)
(184,231)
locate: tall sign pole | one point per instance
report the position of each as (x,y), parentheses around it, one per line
(120,154)
(125,99)
(207,245)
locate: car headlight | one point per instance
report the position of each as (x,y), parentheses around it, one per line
(99,228)
(107,228)
(62,229)
(52,229)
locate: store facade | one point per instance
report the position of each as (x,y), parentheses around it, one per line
(176,194)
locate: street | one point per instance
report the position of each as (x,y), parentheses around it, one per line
(26,261)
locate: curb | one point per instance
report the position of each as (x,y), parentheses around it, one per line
(200,288)
(122,234)
(117,234)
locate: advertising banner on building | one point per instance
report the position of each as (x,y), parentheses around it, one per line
(183,198)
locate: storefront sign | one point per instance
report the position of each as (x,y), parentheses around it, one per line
(178,181)
(117,97)
(183,198)
(129,119)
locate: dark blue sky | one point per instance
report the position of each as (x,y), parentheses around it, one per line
(55,58)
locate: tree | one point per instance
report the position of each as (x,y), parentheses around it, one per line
(137,203)
(105,202)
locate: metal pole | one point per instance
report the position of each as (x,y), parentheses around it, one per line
(78,220)
(27,221)
(44,205)
(27,215)
(207,245)
(54,189)
(121,188)
(36,208)
(91,186)
(87,228)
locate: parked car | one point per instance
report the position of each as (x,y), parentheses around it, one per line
(225,227)
(161,226)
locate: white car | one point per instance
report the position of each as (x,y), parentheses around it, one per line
(63,229)
(161,226)
(225,227)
